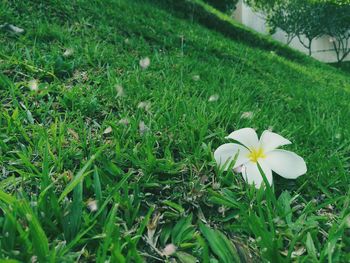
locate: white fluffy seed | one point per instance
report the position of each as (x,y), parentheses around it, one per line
(145,62)
(146,105)
(213,98)
(124,121)
(247,115)
(92,205)
(33,85)
(143,129)
(120,91)
(68,52)
(196,77)
(169,250)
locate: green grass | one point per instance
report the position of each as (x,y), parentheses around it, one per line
(57,155)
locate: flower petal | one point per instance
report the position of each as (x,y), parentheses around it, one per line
(252,174)
(246,136)
(285,163)
(270,141)
(226,153)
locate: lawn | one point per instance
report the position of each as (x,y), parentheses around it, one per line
(106,160)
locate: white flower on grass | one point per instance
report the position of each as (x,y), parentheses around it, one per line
(145,62)
(251,151)
(33,85)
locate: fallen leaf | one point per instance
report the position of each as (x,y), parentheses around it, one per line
(73,133)
(107,130)
(298,252)
(12,28)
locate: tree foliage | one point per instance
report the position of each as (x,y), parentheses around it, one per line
(310,19)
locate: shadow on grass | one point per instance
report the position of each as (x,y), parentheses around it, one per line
(344,66)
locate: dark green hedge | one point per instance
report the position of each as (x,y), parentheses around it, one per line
(223,5)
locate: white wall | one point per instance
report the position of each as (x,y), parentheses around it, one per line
(322,48)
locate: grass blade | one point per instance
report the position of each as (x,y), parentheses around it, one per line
(80,176)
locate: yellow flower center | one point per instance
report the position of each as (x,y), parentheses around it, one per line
(255,154)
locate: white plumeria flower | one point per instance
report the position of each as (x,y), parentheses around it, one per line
(251,151)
